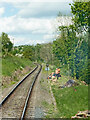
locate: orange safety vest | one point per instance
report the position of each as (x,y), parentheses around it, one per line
(56,71)
(59,70)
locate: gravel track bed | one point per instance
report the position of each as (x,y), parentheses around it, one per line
(13,106)
(33,111)
(41,93)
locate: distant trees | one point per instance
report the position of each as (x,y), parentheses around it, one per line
(29,52)
(46,53)
(37,52)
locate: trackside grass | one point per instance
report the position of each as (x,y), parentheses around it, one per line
(10,64)
(70,100)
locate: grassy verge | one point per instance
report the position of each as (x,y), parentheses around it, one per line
(70,100)
(10,64)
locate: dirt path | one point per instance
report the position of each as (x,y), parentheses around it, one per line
(42,102)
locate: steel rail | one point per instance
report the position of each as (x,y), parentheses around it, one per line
(29,94)
(3,101)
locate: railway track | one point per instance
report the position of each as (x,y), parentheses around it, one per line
(15,104)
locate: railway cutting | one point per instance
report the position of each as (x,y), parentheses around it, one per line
(14,105)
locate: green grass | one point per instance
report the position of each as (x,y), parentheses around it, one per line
(10,64)
(69,101)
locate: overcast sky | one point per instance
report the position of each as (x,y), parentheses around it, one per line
(32,21)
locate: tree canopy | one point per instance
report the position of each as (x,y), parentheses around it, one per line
(81,15)
(6,43)
(71,47)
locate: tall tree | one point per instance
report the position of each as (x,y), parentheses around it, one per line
(6,43)
(81,12)
(81,18)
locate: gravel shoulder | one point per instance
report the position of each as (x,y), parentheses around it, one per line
(42,103)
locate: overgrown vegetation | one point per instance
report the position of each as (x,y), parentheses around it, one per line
(71,47)
(70,100)
(10,64)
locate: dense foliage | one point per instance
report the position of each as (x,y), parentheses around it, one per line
(71,47)
(6,44)
(81,12)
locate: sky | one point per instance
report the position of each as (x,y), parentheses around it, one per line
(28,22)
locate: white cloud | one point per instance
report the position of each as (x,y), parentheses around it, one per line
(34,42)
(34,25)
(21,28)
(25,28)
(14,1)
(17,40)
(42,9)
(48,37)
(21,40)
(37,8)
(22,25)
(2,10)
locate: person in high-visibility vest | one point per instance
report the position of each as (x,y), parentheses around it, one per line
(57,72)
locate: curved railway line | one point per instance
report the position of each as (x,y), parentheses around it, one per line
(15,104)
